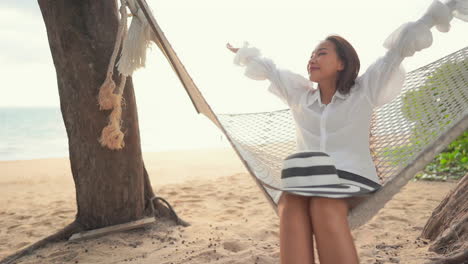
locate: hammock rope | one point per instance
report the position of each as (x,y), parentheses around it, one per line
(111,99)
(405,134)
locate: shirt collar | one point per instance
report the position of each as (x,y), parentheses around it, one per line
(316,97)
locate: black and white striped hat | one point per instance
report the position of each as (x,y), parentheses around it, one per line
(315,174)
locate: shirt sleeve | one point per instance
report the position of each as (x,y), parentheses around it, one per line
(383,80)
(286,85)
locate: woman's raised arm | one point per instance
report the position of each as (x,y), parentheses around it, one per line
(288,86)
(383,80)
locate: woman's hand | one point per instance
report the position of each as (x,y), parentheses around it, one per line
(460,9)
(231,48)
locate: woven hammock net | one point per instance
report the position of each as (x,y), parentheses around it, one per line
(405,134)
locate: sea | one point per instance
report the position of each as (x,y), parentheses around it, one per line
(39,132)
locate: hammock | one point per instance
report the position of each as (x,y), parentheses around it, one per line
(405,135)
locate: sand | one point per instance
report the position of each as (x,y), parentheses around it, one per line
(231,221)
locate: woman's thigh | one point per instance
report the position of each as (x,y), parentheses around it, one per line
(293,202)
(328,207)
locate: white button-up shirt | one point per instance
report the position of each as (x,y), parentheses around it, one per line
(341,128)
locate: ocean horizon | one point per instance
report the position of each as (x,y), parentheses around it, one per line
(39,132)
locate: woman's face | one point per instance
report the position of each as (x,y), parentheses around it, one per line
(324,64)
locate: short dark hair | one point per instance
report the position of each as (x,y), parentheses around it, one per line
(350,59)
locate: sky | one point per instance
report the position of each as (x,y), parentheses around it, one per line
(286,31)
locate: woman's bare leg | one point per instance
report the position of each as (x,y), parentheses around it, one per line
(332,234)
(296,242)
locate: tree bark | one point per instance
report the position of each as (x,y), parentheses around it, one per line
(110,185)
(448,225)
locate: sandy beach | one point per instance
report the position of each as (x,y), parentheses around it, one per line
(231,221)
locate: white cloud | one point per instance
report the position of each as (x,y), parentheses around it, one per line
(23,38)
(24,6)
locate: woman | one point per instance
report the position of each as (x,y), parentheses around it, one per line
(334,118)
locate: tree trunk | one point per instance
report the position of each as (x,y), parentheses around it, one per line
(110,185)
(448,225)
